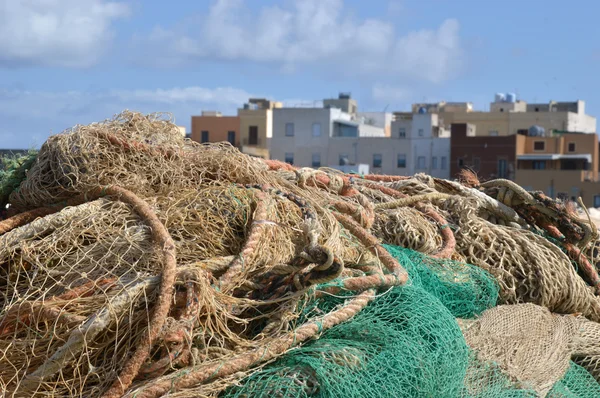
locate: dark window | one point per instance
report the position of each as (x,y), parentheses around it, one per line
(401,161)
(289,129)
(539,145)
(596,201)
(231,137)
(204,137)
(434,161)
(444,163)
(476,164)
(377,160)
(522,131)
(252,135)
(501,109)
(539,164)
(289,157)
(344,159)
(316,160)
(502,168)
(537,109)
(402,132)
(571,147)
(461,162)
(562,196)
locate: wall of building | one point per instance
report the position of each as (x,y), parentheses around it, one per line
(552,182)
(365,130)
(482,154)
(510,123)
(253,117)
(217,127)
(584,144)
(378,119)
(581,123)
(302,145)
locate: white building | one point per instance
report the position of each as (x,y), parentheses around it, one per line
(304,136)
(316,137)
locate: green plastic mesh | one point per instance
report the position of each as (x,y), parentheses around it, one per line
(465,290)
(577,383)
(407,343)
(388,350)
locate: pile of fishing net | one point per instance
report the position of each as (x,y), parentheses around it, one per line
(136,263)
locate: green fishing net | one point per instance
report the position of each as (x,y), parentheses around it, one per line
(406,343)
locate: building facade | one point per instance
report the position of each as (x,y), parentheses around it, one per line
(489,157)
(214,127)
(256,126)
(302,136)
(562,165)
(508,116)
(316,137)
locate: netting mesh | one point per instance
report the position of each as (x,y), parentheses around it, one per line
(139,264)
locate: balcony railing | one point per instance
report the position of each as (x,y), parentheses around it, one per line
(248,142)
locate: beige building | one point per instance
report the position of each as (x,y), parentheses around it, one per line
(564,166)
(256,126)
(212,126)
(508,116)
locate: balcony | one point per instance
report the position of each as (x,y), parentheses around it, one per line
(247,142)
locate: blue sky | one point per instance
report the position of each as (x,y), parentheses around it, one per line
(68,62)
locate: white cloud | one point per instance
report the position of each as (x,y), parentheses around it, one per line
(66,33)
(29,117)
(321,33)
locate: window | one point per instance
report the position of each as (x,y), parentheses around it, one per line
(502,168)
(289,157)
(252,135)
(562,196)
(461,162)
(434,163)
(539,145)
(539,164)
(344,159)
(522,131)
(444,162)
(231,137)
(571,147)
(537,109)
(402,132)
(204,137)
(401,161)
(476,164)
(421,132)
(421,163)
(493,133)
(289,129)
(377,160)
(501,109)
(316,129)
(596,200)
(316,160)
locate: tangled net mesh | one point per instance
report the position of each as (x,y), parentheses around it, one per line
(137,263)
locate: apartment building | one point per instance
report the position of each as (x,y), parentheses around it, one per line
(302,136)
(316,137)
(563,165)
(489,156)
(212,126)
(256,126)
(507,116)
